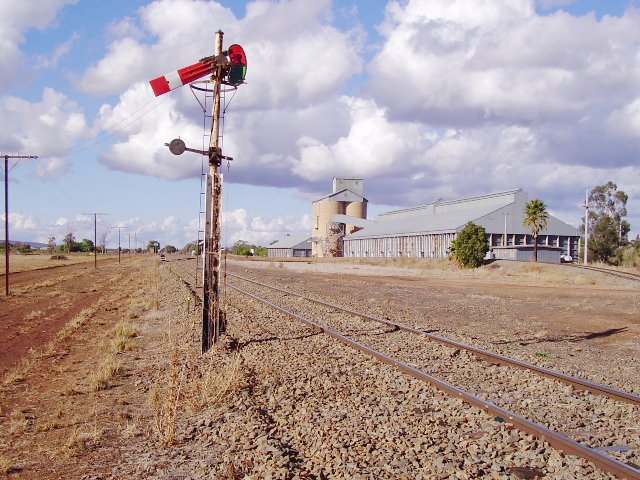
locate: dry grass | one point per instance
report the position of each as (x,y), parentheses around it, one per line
(18,373)
(210,384)
(81,440)
(18,422)
(8,465)
(123,337)
(165,398)
(33,315)
(99,380)
(131,429)
(23,263)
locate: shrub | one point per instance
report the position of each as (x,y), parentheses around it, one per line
(470,246)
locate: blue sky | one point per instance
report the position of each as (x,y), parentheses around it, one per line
(422,99)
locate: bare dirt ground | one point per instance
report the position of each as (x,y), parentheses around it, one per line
(101,374)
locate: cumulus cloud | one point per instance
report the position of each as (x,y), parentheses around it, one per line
(500,62)
(51,167)
(17,17)
(239,224)
(46,128)
(294,69)
(462,97)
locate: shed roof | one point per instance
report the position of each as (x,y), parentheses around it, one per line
(495,212)
(344,195)
(292,242)
(438,222)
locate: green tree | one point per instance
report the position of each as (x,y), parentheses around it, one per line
(24,249)
(603,239)
(170,249)
(191,247)
(86,245)
(535,217)
(153,246)
(470,246)
(243,248)
(51,243)
(69,240)
(606,225)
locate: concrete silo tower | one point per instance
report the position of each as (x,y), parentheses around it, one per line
(336,215)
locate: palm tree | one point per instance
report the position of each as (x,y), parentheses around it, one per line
(535,217)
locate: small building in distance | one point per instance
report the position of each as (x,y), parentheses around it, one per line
(428,230)
(290,247)
(340,213)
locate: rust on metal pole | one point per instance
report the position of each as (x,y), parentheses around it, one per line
(211,306)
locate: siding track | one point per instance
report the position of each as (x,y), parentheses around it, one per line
(508,389)
(608,271)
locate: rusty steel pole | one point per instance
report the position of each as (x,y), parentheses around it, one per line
(211,317)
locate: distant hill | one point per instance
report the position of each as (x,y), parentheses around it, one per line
(20,242)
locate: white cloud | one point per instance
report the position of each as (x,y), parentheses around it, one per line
(456,62)
(547,4)
(17,17)
(239,224)
(48,168)
(51,60)
(372,147)
(47,128)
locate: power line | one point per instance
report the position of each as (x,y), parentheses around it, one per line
(96,140)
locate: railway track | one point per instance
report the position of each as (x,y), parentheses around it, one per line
(583,425)
(607,271)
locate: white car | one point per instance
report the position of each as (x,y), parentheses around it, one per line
(564,258)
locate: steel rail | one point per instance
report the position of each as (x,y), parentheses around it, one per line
(607,271)
(581,384)
(555,439)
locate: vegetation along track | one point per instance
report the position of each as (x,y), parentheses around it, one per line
(596,428)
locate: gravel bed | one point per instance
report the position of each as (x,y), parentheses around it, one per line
(597,421)
(291,403)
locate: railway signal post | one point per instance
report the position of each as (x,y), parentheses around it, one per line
(229,68)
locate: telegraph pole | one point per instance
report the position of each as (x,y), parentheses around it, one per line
(586,227)
(6,216)
(95,236)
(129,242)
(119,228)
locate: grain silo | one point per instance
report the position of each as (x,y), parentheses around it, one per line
(338,214)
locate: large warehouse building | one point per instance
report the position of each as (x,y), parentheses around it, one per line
(428,230)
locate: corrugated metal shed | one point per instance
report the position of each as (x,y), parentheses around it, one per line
(428,230)
(291,246)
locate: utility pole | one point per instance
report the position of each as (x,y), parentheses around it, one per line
(95,236)
(586,227)
(119,228)
(6,215)
(129,242)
